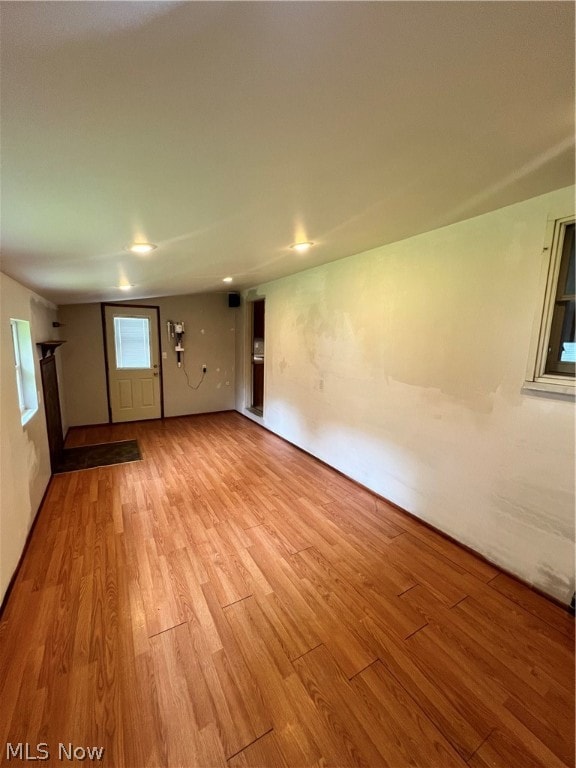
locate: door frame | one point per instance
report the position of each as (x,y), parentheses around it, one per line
(51,398)
(156,308)
(245,360)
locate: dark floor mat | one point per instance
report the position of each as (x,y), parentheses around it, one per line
(89,456)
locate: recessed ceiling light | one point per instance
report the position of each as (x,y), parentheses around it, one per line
(141,247)
(301,247)
(227,279)
(126,287)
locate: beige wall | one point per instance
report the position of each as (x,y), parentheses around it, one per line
(209,339)
(83,364)
(24,455)
(403,367)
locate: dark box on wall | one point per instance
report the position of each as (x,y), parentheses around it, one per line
(233,299)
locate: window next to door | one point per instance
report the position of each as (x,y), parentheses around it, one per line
(24,369)
(553,359)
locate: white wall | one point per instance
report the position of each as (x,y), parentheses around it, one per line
(24,454)
(403,368)
(209,339)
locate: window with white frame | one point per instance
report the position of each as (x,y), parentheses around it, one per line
(132,342)
(553,355)
(24,368)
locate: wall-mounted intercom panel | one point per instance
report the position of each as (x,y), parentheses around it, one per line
(175,336)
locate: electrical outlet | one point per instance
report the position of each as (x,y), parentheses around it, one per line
(204,368)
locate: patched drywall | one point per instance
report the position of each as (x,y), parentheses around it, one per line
(403,367)
(24,454)
(209,340)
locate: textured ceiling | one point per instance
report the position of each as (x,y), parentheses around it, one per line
(224,132)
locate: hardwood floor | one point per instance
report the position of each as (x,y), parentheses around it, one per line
(231,601)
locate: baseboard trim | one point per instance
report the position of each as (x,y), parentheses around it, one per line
(142,421)
(427,524)
(432,527)
(14,576)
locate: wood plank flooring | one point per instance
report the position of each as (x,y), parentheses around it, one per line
(230,601)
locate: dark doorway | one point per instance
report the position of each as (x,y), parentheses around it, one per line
(257,399)
(52,409)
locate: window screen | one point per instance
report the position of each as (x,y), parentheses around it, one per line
(24,366)
(561,345)
(132,340)
(18,365)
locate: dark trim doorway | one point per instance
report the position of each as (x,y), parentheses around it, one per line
(52,410)
(257,357)
(109,354)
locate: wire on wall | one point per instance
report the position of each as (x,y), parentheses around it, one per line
(175,331)
(193,386)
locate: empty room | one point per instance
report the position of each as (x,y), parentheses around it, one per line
(287,385)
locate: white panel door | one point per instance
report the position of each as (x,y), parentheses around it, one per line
(133,362)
